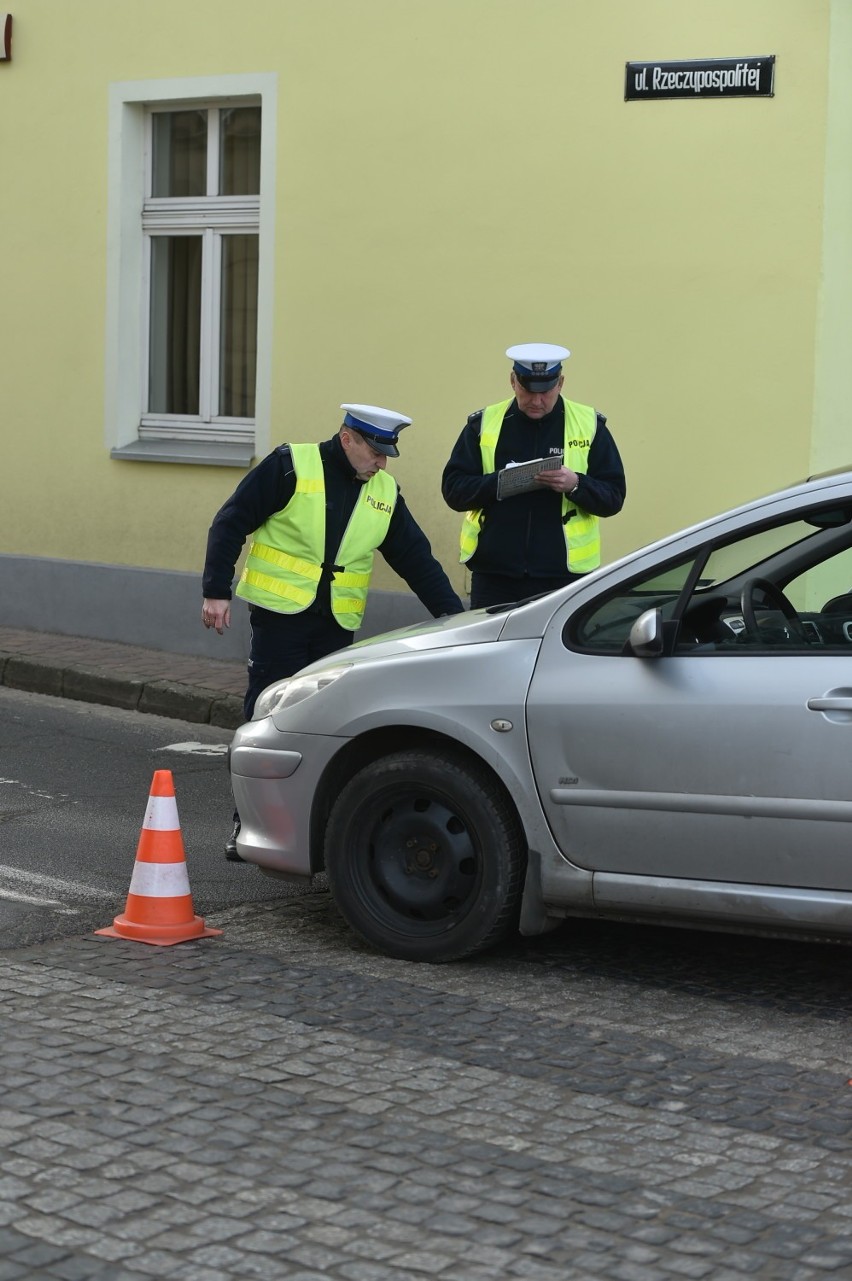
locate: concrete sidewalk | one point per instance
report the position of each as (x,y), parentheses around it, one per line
(187,687)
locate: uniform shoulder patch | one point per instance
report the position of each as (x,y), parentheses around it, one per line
(477,414)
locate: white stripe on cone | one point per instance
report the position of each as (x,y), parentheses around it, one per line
(159,880)
(161,814)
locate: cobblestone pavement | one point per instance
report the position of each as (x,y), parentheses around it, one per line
(280,1102)
(603,1102)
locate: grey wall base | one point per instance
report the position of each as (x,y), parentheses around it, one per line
(159,609)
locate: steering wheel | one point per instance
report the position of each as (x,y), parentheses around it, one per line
(777,600)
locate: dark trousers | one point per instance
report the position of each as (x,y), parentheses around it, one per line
(500,589)
(282,644)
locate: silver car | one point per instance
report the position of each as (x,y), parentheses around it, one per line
(668,740)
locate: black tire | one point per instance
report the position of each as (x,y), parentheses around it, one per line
(425,856)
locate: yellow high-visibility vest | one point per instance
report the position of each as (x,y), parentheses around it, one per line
(582,531)
(284,564)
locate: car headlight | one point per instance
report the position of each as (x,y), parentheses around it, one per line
(286,693)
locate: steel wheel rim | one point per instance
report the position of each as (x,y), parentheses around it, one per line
(419,863)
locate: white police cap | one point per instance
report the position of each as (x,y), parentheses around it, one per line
(381,427)
(538,365)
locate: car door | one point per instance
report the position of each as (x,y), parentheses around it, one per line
(728,758)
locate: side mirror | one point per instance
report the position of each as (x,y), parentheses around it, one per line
(646,635)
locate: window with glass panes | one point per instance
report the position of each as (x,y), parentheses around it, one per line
(200,220)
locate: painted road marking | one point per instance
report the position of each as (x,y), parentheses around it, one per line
(11,878)
(16,897)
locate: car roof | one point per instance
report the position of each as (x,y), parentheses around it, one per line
(826,475)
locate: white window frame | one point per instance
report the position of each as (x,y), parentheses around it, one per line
(130,432)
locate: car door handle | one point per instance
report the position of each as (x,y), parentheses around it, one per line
(830,704)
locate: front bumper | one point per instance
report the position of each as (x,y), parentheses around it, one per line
(274,776)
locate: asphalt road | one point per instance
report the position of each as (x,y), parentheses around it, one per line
(74,785)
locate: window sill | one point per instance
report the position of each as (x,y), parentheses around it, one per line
(201,453)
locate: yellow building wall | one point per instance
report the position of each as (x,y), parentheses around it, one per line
(453,176)
(833,379)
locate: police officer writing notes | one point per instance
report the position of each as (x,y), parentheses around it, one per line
(538,538)
(317,513)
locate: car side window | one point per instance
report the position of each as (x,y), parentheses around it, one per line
(784,590)
(778,587)
(604,628)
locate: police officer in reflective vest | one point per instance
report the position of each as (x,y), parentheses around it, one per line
(522,538)
(317,514)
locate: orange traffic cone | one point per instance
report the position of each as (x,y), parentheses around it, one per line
(159,904)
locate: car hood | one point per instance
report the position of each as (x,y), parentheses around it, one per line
(472,628)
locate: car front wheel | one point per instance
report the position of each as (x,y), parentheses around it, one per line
(425,856)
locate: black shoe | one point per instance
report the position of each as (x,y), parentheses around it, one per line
(231,845)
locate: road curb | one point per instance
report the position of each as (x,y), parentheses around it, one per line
(227,712)
(94,687)
(28,674)
(171,699)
